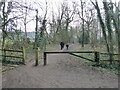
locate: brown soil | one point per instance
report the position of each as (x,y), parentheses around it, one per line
(62,71)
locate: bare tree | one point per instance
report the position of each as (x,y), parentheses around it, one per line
(43,29)
(82,5)
(115,16)
(88,19)
(108,23)
(69,16)
(3,30)
(60,17)
(101,23)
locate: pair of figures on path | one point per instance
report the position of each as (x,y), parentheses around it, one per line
(62,45)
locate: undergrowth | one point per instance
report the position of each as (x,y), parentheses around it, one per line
(103,65)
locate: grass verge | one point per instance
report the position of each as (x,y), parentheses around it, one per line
(104,66)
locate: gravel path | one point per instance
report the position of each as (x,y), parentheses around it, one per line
(62,71)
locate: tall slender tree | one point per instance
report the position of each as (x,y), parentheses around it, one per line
(82,5)
(101,23)
(108,23)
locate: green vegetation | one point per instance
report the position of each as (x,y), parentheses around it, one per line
(52,47)
(0,69)
(103,65)
(75,22)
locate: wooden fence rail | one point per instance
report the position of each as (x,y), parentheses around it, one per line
(81,57)
(72,53)
(96,55)
(111,61)
(19,51)
(109,54)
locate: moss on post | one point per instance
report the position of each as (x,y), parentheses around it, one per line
(24,55)
(37,56)
(4,55)
(45,59)
(97,57)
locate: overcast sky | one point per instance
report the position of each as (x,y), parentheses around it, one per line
(55,4)
(52,4)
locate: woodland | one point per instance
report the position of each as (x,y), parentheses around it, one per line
(28,25)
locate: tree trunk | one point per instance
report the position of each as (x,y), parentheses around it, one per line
(118,35)
(108,23)
(117,31)
(36,30)
(66,31)
(102,24)
(82,24)
(25,25)
(116,23)
(3,33)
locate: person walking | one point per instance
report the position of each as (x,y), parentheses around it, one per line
(67,46)
(62,45)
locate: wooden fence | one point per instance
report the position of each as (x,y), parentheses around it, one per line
(96,55)
(18,51)
(112,55)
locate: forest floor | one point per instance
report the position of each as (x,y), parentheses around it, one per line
(62,71)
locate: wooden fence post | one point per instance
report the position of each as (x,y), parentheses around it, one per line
(37,56)
(97,57)
(45,60)
(4,55)
(24,55)
(111,58)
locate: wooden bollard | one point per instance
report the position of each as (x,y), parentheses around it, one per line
(45,61)
(37,56)
(4,55)
(111,58)
(24,55)
(97,57)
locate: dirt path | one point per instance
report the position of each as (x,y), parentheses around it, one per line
(62,71)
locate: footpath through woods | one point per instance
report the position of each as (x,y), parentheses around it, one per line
(62,71)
